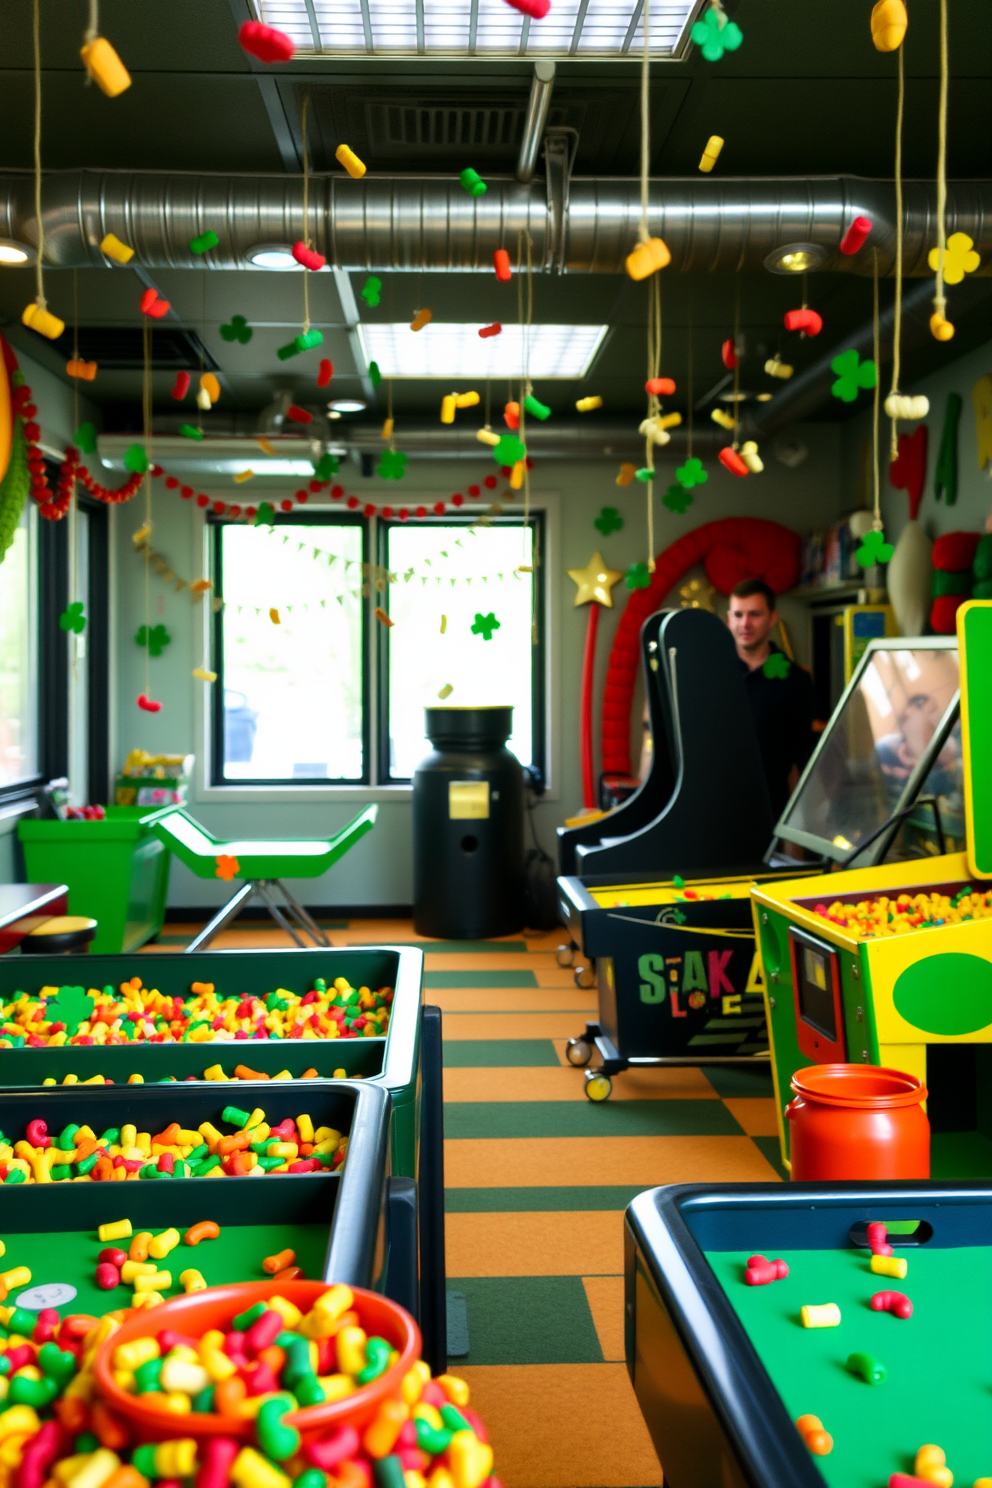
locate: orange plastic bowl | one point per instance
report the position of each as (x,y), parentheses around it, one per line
(214,1308)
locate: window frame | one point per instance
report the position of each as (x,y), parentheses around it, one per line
(536,520)
(312,517)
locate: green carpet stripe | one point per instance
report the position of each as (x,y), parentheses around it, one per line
(528,1320)
(536,1200)
(479,979)
(730,1079)
(772,1151)
(674,1118)
(498,1053)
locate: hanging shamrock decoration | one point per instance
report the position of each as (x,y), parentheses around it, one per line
(72,618)
(136,459)
(714,34)
(484,625)
(960,258)
(777,666)
(265,516)
(71,1006)
(692,474)
(392,465)
(874,549)
(677,499)
(853,374)
(375,376)
(509,450)
(609,520)
(637,576)
(155,640)
(371,291)
(238,329)
(326,466)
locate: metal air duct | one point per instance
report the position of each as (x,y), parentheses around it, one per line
(425,222)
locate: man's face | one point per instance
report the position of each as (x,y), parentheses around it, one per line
(750,620)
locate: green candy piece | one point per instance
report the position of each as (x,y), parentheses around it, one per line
(392,465)
(143,1458)
(235,1117)
(85,438)
(89,1163)
(609,520)
(389,1472)
(536,409)
(244,1320)
(869,1368)
(453,1418)
(483,625)
(151,1170)
(377,1352)
(58,1365)
(714,35)
(265,516)
(207,1166)
(637,576)
(319,984)
(311,1478)
(371,290)
(645,474)
(181,1169)
(111,1136)
(289,350)
(375,376)
(188,432)
(874,549)
(430,1440)
(777,666)
(309,1391)
(61,1172)
(237,330)
(268,1163)
(154,639)
(4,1361)
(677,499)
(22,1321)
(203,1403)
(136,459)
(509,450)
(691,473)
(307,340)
(852,375)
(15,1176)
(86,1441)
(36,1393)
(326,466)
(204,242)
(472,182)
(72,618)
(275,1438)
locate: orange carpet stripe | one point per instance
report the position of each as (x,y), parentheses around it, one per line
(542,1083)
(547,1162)
(491,961)
(756,1114)
(511,1025)
(555,1243)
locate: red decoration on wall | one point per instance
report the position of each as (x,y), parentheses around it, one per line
(908,471)
(733,549)
(954,552)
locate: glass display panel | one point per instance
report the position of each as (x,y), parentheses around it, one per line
(816,997)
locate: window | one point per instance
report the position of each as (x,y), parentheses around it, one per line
(309,673)
(19,746)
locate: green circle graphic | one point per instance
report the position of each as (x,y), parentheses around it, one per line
(948,994)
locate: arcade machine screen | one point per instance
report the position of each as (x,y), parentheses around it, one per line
(882,748)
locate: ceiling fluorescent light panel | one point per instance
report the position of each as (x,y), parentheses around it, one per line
(453,351)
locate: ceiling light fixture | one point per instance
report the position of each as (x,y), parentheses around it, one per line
(796,258)
(272,256)
(346,405)
(450,350)
(15,255)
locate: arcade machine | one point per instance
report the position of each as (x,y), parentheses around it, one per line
(658,897)
(892,964)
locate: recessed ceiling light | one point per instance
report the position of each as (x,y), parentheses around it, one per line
(14,255)
(333,413)
(270,256)
(765,397)
(796,258)
(454,350)
(346,405)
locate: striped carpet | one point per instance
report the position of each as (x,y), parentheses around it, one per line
(537,1179)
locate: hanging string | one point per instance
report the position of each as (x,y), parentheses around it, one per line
(73,526)
(146,415)
(93,29)
(897,313)
(737,359)
(642,230)
(689,381)
(306,211)
(654,407)
(487,403)
(36,37)
(876,497)
(389,412)
(939,300)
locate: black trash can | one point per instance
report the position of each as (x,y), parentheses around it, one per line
(468,827)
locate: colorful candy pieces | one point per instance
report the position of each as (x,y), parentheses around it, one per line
(895,1302)
(878,1239)
(818,1441)
(204,242)
(308,257)
(761,1271)
(867,1366)
(805,320)
(825,1315)
(856,236)
(931,1466)
(152,305)
(181,386)
(325,372)
(265,42)
(501,263)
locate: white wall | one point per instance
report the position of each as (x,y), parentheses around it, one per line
(378,870)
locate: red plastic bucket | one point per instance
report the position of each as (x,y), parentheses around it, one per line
(215,1308)
(857,1122)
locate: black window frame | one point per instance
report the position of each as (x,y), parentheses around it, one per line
(536,520)
(315,517)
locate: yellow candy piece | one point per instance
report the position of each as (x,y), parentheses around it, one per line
(347,157)
(711,154)
(826,1315)
(192,1281)
(105,67)
(586,405)
(42,321)
(448,405)
(647,258)
(888,25)
(162,1244)
(350,1350)
(113,248)
(889,1266)
(251,1470)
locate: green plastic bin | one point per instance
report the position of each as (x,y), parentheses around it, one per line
(117,871)
(392,1061)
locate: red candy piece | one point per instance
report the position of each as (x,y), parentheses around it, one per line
(806,321)
(327,1454)
(147,705)
(112,1256)
(150,304)
(299,415)
(856,235)
(265,42)
(263,1331)
(728,354)
(501,263)
(216,1455)
(325,372)
(536,9)
(906,1480)
(37,1133)
(107,1276)
(731,460)
(760,1271)
(308,257)
(490,330)
(660,387)
(181,386)
(895,1302)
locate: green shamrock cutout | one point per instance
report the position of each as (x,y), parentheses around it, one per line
(189,432)
(237,330)
(392,465)
(72,618)
(85,437)
(371,291)
(485,625)
(375,376)
(677,499)
(71,1006)
(874,549)
(326,466)
(637,576)
(155,640)
(136,459)
(853,374)
(692,474)
(714,35)
(609,520)
(509,450)
(265,516)
(777,665)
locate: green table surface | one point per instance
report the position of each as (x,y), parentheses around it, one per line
(939,1383)
(70,1256)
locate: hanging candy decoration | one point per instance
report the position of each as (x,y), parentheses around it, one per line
(490,330)
(325,372)
(853,374)
(472,182)
(85,437)
(265,42)
(692,473)
(888,25)
(728,354)
(856,236)
(72,618)
(874,549)
(536,9)
(509,450)
(203,674)
(152,306)
(210,386)
(204,242)
(536,409)
(660,387)
(103,64)
(501,263)
(626,474)
(147,704)
(753,461)
(375,376)
(371,291)
(711,154)
(347,157)
(153,638)
(732,461)
(715,34)
(421,319)
(308,258)
(238,330)
(805,320)
(136,459)
(484,625)
(40,319)
(189,431)
(677,499)
(203,400)
(392,465)
(723,418)
(113,248)
(82,371)
(298,415)
(181,386)
(901,406)
(486,436)
(775,367)
(647,258)
(587,405)
(309,340)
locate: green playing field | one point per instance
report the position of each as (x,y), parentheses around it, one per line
(938,1385)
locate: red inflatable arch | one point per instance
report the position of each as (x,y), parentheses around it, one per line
(733,549)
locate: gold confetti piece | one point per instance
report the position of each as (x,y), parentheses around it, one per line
(265,446)
(142,533)
(382,618)
(204,675)
(387,428)
(444,623)
(274,617)
(242,476)
(524,568)
(200,586)
(446,691)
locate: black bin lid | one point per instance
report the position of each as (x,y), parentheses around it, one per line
(469,728)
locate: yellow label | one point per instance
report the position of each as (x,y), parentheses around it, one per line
(468,800)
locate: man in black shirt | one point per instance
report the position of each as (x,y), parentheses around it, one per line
(780,692)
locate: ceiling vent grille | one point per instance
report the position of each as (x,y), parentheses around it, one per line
(120,348)
(401,128)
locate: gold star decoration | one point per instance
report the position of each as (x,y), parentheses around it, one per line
(595,581)
(697,594)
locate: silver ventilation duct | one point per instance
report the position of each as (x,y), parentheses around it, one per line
(579,226)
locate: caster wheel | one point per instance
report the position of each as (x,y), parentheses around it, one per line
(599,1087)
(565,955)
(585,976)
(578,1051)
